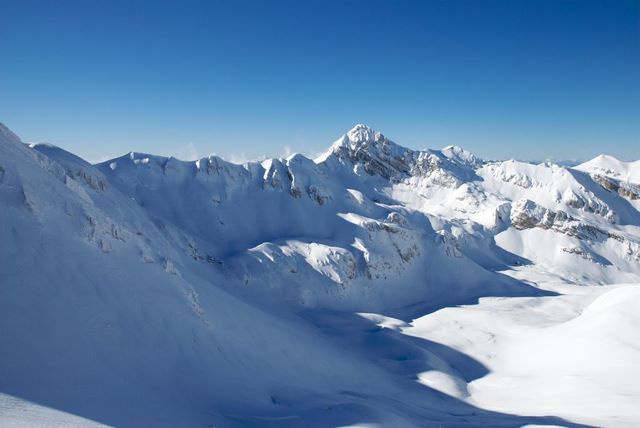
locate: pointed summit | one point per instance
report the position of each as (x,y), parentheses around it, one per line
(362,134)
(361,137)
(366,150)
(374,152)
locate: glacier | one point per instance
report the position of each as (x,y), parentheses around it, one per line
(374,285)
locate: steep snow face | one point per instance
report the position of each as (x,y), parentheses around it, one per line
(211,261)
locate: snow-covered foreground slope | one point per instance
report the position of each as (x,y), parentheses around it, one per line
(575,356)
(148,291)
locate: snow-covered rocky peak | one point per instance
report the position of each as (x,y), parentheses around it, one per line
(609,166)
(371,151)
(366,150)
(461,156)
(363,134)
(362,137)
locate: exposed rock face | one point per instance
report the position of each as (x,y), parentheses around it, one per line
(382,237)
(579,252)
(377,155)
(374,152)
(526,214)
(622,188)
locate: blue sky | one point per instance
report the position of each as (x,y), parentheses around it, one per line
(530,80)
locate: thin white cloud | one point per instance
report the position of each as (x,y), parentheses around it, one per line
(188,152)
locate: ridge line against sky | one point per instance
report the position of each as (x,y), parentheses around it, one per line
(521,79)
(189,153)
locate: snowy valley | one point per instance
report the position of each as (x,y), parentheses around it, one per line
(374,285)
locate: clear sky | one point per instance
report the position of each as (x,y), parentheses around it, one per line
(531,80)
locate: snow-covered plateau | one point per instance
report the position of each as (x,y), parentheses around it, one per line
(372,286)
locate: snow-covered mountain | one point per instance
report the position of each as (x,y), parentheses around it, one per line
(374,284)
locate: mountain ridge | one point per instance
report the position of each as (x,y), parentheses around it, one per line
(361,134)
(293,282)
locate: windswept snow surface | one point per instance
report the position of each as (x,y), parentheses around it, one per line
(372,286)
(608,165)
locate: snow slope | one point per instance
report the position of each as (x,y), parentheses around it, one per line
(610,166)
(294,292)
(575,356)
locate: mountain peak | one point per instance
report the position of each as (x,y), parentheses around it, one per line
(360,137)
(362,134)
(459,155)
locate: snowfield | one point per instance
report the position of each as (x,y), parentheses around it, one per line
(372,286)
